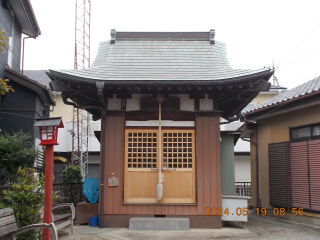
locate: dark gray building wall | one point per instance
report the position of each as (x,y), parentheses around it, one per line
(42,111)
(18,110)
(6,25)
(21,98)
(16,52)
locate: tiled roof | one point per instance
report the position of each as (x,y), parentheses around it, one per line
(160,60)
(43,91)
(296,93)
(28,79)
(233,126)
(38,75)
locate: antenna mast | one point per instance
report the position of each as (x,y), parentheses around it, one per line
(81,61)
(275,79)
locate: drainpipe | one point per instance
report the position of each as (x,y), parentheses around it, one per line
(257,167)
(103,153)
(23,54)
(257,159)
(100,86)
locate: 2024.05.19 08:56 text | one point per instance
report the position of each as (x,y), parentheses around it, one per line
(259,211)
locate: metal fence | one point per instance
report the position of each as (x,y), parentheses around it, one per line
(67,193)
(244,189)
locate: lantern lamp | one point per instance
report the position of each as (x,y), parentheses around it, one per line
(48,135)
(49,130)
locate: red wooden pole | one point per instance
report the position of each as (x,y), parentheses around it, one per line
(47,212)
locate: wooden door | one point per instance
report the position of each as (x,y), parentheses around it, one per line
(141,156)
(178,166)
(142,162)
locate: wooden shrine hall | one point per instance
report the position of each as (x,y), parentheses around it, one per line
(160,97)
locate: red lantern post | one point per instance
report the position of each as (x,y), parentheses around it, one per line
(48,135)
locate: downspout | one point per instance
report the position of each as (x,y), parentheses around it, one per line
(103,153)
(100,87)
(22,67)
(257,159)
(257,167)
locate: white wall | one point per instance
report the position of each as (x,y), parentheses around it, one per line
(65,138)
(242,146)
(242,168)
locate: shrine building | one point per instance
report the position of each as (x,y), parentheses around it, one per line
(161,97)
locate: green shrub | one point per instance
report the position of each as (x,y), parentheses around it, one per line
(71,174)
(15,151)
(26,199)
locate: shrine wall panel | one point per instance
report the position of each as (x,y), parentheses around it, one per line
(208,175)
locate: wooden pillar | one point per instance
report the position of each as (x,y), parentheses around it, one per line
(208,165)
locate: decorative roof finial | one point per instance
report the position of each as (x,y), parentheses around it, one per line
(113,36)
(212,33)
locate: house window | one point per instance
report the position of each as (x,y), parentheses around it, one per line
(316,130)
(300,133)
(305,132)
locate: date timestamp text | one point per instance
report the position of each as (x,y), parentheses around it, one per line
(259,211)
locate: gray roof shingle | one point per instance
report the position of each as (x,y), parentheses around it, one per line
(302,90)
(160,60)
(232,127)
(38,75)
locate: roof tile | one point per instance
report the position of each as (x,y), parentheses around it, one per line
(295,93)
(145,60)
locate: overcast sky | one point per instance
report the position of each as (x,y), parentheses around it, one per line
(255,32)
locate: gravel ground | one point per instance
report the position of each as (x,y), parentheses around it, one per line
(79,236)
(258,227)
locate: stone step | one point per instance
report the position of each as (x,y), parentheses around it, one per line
(159,224)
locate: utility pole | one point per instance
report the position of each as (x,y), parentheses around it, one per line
(81,61)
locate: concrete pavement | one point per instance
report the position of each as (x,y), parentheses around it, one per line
(126,234)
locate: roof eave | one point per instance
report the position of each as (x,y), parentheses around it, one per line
(263,75)
(24,12)
(43,92)
(314,98)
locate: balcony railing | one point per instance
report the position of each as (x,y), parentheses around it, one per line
(244,189)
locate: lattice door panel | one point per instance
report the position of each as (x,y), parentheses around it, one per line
(178,149)
(142,151)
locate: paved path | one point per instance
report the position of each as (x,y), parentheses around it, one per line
(258,227)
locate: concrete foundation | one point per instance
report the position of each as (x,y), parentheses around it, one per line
(86,210)
(159,224)
(122,220)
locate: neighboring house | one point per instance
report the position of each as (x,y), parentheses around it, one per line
(188,75)
(285,170)
(16,17)
(63,151)
(60,110)
(31,100)
(242,148)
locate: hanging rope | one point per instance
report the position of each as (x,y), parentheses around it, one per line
(159,138)
(159,185)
